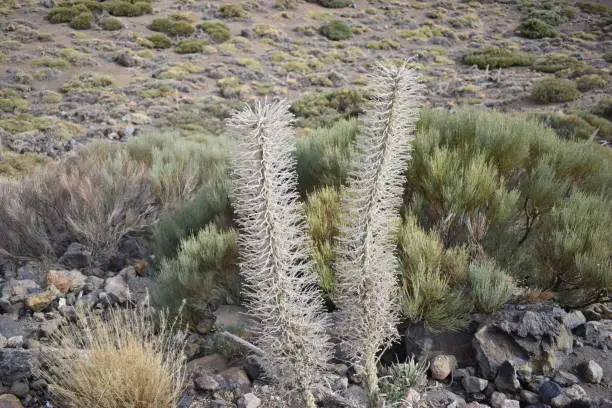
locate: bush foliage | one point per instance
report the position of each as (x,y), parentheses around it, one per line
(494,57)
(536,28)
(336,30)
(551,90)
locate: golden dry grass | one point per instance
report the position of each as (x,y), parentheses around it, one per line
(121,360)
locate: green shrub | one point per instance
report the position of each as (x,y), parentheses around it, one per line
(552,90)
(65,14)
(599,124)
(120,8)
(336,30)
(217,30)
(494,57)
(190,46)
(589,82)
(592,7)
(430,279)
(607,56)
(555,62)
(317,109)
(332,3)
(210,205)
(202,273)
(231,11)
(604,108)
(50,62)
(323,218)
(323,157)
(82,21)
(112,24)
(534,28)
(160,40)
(568,126)
(578,251)
(552,17)
(171,26)
(491,287)
(401,377)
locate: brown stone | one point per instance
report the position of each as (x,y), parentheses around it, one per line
(236,374)
(213,363)
(9,401)
(66,281)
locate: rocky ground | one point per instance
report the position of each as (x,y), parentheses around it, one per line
(62,87)
(530,355)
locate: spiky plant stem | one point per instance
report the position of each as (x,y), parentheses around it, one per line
(366,263)
(282,293)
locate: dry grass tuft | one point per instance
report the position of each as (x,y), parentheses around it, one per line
(122,360)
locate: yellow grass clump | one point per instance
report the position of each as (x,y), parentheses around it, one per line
(121,359)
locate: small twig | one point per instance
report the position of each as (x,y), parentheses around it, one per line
(243,342)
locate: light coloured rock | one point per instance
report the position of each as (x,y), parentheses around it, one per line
(206,383)
(3,341)
(473,385)
(249,400)
(117,286)
(212,363)
(236,374)
(560,401)
(40,301)
(15,342)
(356,395)
(412,397)
(509,403)
(442,366)
(591,372)
(66,281)
(576,393)
(497,399)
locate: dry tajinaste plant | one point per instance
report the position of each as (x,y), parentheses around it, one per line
(283,298)
(366,264)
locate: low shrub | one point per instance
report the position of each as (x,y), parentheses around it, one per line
(50,62)
(160,40)
(553,17)
(190,46)
(65,14)
(323,218)
(171,26)
(336,30)
(323,158)
(592,7)
(490,286)
(319,109)
(124,350)
(231,11)
(211,205)
(604,108)
(332,3)
(568,126)
(401,377)
(217,30)
(112,24)
(82,21)
(553,90)
(494,57)
(203,273)
(119,8)
(589,82)
(555,62)
(534,28)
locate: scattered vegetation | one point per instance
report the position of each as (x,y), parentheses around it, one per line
(232,11)
(336,30)
(592,7)
(400,377)
(317,109)
(553,90)
(160,40)
(112,24)
(535,28)
(190,46)
(332,3)
(217,30)
(494,57)
(82,21)
(171,26)
(554,62)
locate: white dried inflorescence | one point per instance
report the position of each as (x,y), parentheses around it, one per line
(282,292)
(366,264)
